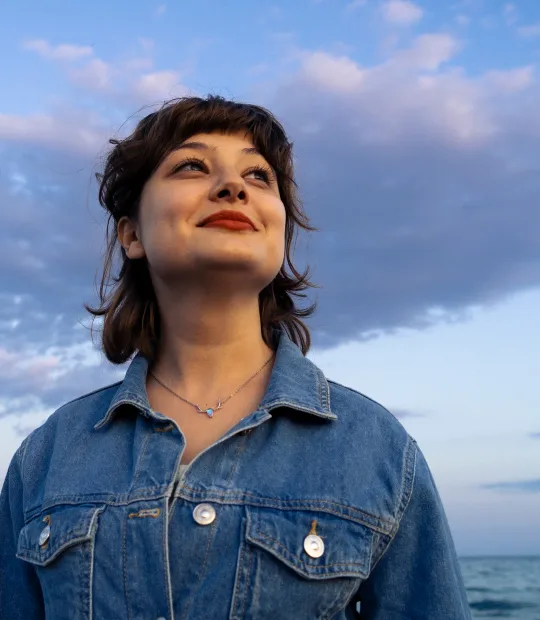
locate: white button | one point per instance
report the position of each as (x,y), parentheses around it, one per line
(161,618)
(204,514)
(314,546)
(44,536)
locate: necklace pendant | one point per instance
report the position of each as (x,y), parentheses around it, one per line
(210,411)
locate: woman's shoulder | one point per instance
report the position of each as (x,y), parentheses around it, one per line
(358,408)
(71,419)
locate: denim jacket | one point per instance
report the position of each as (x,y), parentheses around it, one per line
(315,505)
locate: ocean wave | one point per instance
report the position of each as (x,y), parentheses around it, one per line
(501,606)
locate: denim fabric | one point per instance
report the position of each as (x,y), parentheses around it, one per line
(315,458)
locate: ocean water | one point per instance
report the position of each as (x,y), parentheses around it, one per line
(503,587)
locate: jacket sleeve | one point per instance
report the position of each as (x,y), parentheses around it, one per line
(20,591)
(418,576)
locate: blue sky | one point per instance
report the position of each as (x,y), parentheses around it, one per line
(416,130)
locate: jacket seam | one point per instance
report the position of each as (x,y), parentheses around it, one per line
(322,506)
(358,393)
(404,499)
(97,391)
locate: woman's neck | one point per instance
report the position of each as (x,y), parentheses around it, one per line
(209,344)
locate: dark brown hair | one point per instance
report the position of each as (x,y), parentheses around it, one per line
(127,300)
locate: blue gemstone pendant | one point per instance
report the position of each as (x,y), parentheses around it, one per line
(210,411)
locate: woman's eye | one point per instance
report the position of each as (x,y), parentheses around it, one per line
(187,165)
(261,173)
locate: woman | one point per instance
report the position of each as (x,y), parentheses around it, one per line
(225,476)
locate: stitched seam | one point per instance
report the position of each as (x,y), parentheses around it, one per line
(224,498)
(292,556)
(211,534)
(396,528)
(323,389)
(349,389)
(299,407)
(62,546)
(319,505)
(241,568)
(239,450)
(166,561)
(142,455)
(101,389)
(93,526)
(248,581)
(124,554)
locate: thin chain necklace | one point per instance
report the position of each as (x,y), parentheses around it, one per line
(210,411)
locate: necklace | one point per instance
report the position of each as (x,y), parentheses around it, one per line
(210,411)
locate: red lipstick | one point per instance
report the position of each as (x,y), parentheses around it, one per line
(233,220)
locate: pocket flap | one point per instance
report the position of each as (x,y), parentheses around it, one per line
(68,525)
(347,544)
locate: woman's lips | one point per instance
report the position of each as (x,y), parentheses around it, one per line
(229,225)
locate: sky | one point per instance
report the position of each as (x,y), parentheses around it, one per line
(416,131)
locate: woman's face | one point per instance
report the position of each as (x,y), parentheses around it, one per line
(206,175)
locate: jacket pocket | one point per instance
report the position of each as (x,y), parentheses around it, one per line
(299,564)
(60,544)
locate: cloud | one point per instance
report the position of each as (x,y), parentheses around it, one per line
(406,413)
(96,75)
(513,80)
(157,86)
(356,4)
(530,31)
(428,52)
(510,14)
(462,20)
(518,486)
(56,374)
(534,435)
(80,133)
(401,12)
(423,180)
(161,10)
(64,52)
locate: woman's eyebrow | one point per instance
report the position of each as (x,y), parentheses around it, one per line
(202,146)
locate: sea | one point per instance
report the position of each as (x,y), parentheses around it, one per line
(503,587)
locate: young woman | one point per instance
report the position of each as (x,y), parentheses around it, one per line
(225,476)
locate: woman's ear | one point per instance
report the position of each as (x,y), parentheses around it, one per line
(128,235)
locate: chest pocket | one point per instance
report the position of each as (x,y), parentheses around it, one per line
(60,544)
(282,575)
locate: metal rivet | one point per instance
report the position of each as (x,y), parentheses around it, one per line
(44,536)
(204,514)
(314,546)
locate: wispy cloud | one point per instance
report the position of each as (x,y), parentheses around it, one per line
(530,31)
(402,12)
(96,75)
(462,20)
(158,86)
(513,80)
(510,14)
(161,10)
(82,135)
(65,52)
(518,486)
(406,413)
(356,4)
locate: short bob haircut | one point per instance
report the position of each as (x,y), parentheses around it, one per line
(128,303)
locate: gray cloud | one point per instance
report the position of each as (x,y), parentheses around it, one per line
(407,413)
(519,486)
(426,197)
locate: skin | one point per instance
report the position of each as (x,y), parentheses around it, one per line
(207,280)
